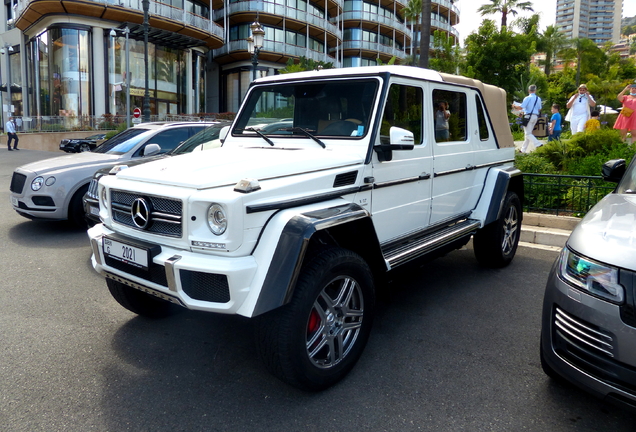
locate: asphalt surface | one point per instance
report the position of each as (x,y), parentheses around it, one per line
(455,347)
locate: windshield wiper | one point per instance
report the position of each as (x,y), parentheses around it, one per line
(306,133)
(259,133)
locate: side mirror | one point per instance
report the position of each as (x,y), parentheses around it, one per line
(151,149)
(223,134)
(613,170)
(399,139)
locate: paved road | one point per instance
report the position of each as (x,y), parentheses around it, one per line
(454,348)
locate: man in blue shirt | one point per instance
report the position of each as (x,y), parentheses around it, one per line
(530,106)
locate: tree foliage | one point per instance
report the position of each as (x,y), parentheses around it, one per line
(498,57)
(505,7)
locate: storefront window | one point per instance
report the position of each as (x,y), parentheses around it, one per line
(61,68)
(166,83)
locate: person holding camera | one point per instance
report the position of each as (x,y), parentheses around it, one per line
(579,109)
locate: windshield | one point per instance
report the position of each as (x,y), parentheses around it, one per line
(123,142)
(325,108)
(207,137)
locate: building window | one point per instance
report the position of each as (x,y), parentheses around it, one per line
(60,64)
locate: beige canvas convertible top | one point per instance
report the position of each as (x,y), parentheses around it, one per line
(495,99)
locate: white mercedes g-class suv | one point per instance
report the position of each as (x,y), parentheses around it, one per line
(326,181)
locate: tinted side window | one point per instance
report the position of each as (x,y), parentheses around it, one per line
(481,118)
(455,103)
(403,109)
(170,139)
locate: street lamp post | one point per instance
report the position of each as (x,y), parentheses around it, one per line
(254,44)
(126,32)
(146,104)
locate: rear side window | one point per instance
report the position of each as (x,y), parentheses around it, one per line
(455,103)
(403,109)
(481,119)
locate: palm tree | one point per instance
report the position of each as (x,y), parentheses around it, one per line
(552,41)
(505,7)
(425,33)
(412,13)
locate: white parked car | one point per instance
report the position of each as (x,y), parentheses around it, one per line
(53,188)
(296,225)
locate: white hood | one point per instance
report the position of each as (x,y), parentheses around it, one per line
(226,166)
(84,160)
(608,232)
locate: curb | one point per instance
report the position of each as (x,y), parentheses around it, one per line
(546,230)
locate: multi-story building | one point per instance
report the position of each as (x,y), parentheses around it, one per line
(598,20)
(68,58)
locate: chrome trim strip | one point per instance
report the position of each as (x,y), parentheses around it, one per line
(170,273)
(143,288)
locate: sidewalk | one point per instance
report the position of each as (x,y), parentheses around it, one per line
(547,231)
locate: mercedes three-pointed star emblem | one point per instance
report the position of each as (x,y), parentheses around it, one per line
(140,212)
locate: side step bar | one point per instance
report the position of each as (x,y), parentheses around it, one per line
(420,246)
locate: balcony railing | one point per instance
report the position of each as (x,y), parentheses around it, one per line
(279,48)
(376,18)
(281,10)
(373,46)
(156,9)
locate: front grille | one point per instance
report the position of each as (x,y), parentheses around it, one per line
(156,273)
(582,334)
(17,183)
(590,349)
(165,215)
(92,189)
(205,286)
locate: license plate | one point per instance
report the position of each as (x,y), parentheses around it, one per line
(133,255)
(14,201)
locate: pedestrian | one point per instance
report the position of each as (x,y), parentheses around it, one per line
(530,107)
(18,124)
(441,122)
(554,129)
(626,120)
(594,122)
(579,109)
(9,128)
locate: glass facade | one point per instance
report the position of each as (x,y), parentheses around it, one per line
(166,83)
(60,63)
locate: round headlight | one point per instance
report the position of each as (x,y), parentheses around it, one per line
(103,198)
(37,183)
(217,221)
(50,181)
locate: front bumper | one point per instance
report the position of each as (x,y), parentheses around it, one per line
(193,280)
(586,341)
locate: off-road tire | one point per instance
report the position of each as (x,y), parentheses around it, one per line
(139,302)
(495,245)
(315,340)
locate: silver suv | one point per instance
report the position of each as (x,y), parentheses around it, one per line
(589,312)
(53,188)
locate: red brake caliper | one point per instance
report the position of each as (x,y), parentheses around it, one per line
(314,322)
